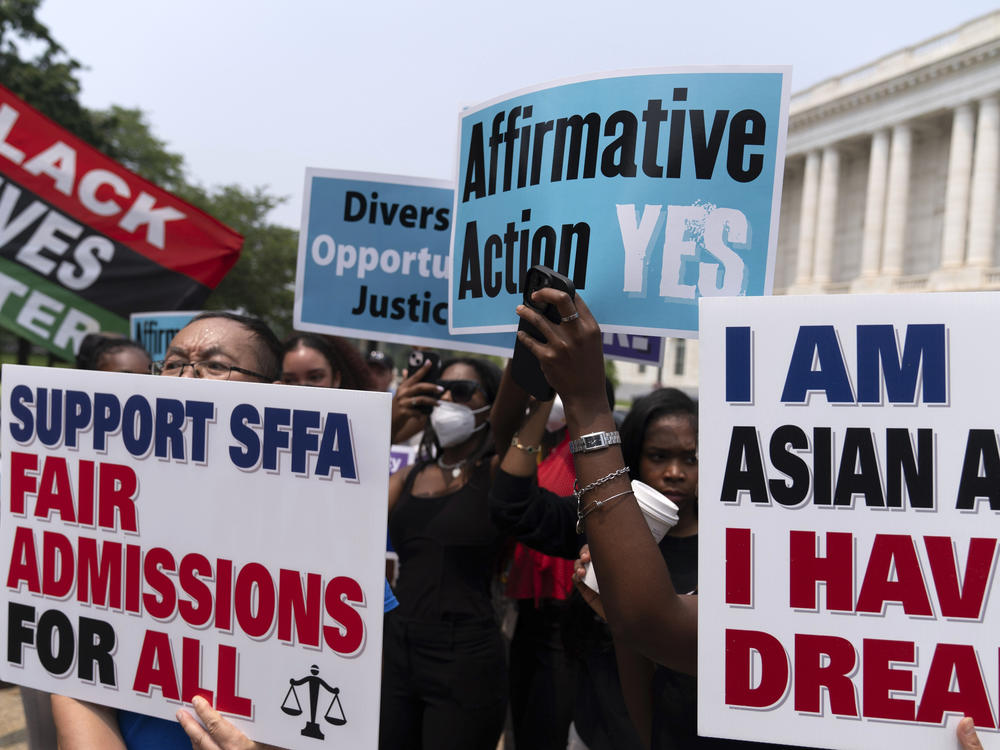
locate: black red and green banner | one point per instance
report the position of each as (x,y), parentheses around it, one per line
(84,242)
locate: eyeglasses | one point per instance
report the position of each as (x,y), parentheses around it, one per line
(461,391)
(208,370)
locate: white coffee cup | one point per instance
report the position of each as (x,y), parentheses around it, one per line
(660,513)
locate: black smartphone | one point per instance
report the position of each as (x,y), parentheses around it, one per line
(524,365)
(415,361)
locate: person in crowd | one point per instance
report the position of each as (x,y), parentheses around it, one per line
(543,673)
(651,606)
(382,369)
(660,437)
(324,362)
(112,353)
(444,675)
(215,346)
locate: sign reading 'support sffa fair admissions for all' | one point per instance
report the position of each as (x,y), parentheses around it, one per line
(649,190)
(850,482)
(173,537)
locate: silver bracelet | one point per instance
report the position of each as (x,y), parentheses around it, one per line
(578,493)
(580,515)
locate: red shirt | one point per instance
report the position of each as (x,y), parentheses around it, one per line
(532,574)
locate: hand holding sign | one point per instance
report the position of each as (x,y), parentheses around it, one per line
(217,734)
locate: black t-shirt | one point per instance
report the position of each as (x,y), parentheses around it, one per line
(447,547)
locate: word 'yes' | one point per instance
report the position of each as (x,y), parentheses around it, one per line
(717,230)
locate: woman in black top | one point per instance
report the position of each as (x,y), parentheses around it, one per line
(444,682)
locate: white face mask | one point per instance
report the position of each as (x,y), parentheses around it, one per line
(455,423)
(557,416)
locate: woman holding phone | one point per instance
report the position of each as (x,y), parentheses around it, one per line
(444,681)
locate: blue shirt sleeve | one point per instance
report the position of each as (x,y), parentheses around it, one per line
(390,599)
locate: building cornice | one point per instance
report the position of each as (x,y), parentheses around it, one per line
(911,79)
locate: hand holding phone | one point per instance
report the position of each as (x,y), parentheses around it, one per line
(524,366)
(416,360)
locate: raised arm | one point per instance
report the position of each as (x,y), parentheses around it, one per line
(508,410)
(519,507)
(642,606)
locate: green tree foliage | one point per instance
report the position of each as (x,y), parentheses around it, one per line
(47,80)
(262,281)
(127,138)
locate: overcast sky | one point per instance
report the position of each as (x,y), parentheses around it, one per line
(253,92)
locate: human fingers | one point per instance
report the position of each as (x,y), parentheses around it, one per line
(223,734)
(580,566)
(200,739)
(564,303)
(416,375)
(967,737)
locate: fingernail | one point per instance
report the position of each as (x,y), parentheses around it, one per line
(197,701)
(440,388)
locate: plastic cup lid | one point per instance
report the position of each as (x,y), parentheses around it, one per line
(654,503)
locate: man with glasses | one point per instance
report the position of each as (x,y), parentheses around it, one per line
(216,346)
(223,346)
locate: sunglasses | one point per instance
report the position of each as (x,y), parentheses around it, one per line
(461,391)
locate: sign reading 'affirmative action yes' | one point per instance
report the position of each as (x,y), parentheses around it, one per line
(173,537)
(850,480)
(649,190)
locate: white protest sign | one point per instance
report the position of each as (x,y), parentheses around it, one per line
(850,482)
(170,537)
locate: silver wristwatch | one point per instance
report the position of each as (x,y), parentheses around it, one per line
(595,441)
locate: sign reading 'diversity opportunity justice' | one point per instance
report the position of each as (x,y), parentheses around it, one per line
(84,242)
(173,537)
(373,261)
(649,190)
(850,482)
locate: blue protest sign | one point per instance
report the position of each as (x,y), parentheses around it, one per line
(649,190)
(373,261)
(646,350)
(154,330)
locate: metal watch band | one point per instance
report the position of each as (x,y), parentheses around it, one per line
(594,441)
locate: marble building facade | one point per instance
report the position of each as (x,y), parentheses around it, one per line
(891,181)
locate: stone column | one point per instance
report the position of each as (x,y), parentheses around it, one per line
(826,215)
(956,192)
(807,220)
(897,197)
(871,243)
(983,205)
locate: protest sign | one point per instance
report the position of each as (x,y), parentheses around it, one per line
(645,350)
(84,242)
(850,481)
(373,261)
(155,330)
(170,537)
(649,190)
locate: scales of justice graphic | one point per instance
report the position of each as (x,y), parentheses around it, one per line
(291,705)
